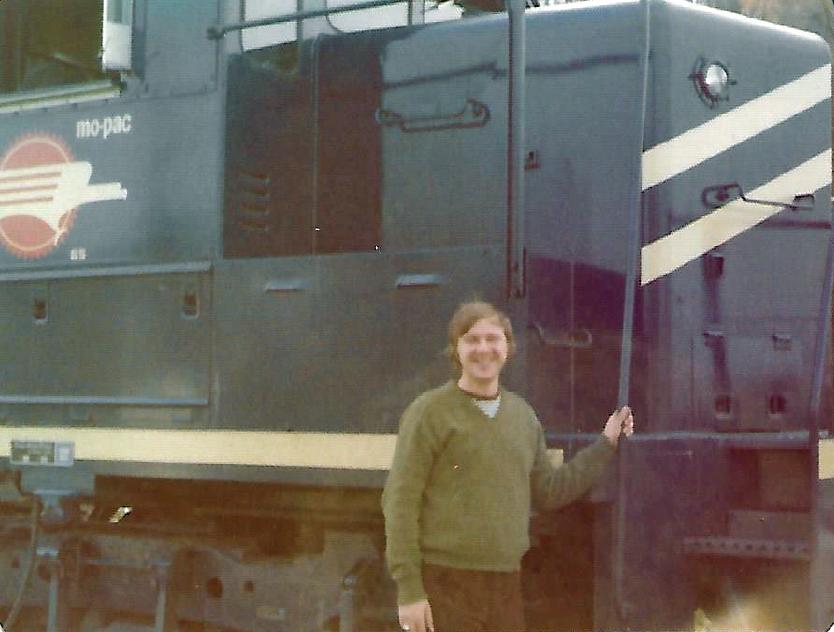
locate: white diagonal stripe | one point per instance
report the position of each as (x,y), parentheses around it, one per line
(713,229)
(701,143)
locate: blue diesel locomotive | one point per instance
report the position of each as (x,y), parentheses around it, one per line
(232,232)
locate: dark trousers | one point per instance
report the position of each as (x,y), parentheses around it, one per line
(474,601)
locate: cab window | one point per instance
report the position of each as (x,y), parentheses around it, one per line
(346,22)
(39,51)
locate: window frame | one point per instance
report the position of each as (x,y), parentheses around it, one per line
(17,21)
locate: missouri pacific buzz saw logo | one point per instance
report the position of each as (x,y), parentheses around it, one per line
(41,188)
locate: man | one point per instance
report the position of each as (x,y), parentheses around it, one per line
(469,462)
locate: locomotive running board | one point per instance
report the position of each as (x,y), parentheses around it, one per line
(330,450)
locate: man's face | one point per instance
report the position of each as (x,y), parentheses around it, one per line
(482,351)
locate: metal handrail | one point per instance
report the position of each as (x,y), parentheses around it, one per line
(218,32)
(621,603)
(517,68)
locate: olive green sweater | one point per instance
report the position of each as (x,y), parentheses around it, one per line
(461,485)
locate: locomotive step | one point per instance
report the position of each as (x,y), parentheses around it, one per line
(747,547)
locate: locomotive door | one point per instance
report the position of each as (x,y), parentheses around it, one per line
(135,340)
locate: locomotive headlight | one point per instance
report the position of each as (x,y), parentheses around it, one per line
(716,81)
(712,81)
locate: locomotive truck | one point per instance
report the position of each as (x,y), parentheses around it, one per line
(233,231)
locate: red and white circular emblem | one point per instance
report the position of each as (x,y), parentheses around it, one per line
(32,221)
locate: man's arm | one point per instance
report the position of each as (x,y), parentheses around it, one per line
(554,487)
(402,502)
